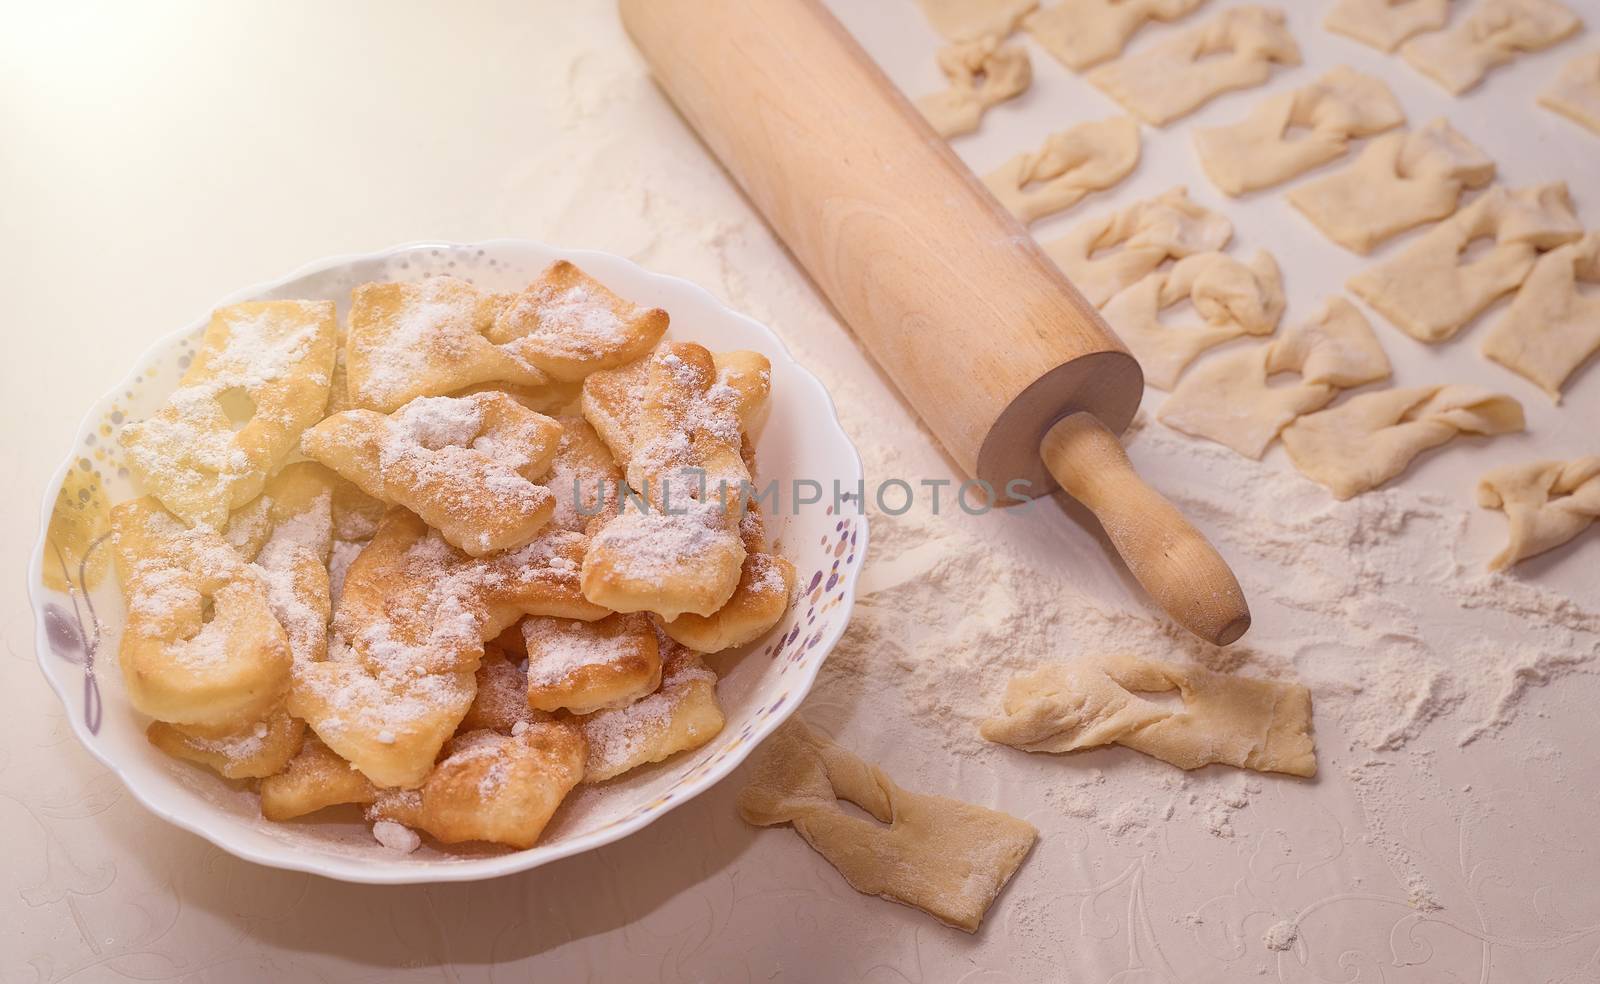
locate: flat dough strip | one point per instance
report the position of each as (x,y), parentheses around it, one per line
(1430,292)
(1228,399)
(1267,147)
(982,73)
(1369,439)
(968,20)
(948,858)
(1071,164)
(1236,49)
(1084,33)
(1400,181)
(1575,92)
(1551,329)
(1547,503)
(1247,723)
(1493,34)
(1232,299)
(1386,24)
(1105,254)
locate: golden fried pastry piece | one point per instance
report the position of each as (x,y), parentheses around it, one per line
(682,715)
(569,325)
(409,633)
(313,780)
(200,645)
(259,378)
(588,666)
(492,787)
(692,420)
(766,582)
(429,338)
(583,478)
(688,560)
(259,749)
(466,465)
(610,402)
(502,698)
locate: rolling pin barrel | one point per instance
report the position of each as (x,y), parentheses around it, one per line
(979,330)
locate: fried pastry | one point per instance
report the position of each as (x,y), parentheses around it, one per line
(584,667)
(766,582)
(492,787)
(501,700)
(466,465)
(409,635)
(570,325)
(682,714)
(200,645)
(583,478)
(260,748)
(313,780)
(429,338)
(259,378)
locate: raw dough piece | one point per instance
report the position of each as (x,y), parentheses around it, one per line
(1371,438)
(1400,181)
(1235,49)
(1135,241)
(1551,329)
(1266,148)
(1228,398)
(1386,24)
(1575,93)
(1493,33)
(1232,299)
(982,73)
(1072,163)
(1430,293)
(1547,502)
(1084,33)
(1247,723)
(968,20)
(948,858)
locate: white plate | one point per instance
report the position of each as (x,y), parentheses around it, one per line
(78,614)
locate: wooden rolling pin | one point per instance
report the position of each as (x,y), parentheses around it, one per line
(1016,374)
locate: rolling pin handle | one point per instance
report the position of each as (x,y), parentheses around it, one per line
(1174,561)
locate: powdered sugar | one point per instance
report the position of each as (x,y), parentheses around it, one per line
(396,837)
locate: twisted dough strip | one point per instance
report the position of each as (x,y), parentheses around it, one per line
(1105,254)
(982,73)
(1386,24)
(1551,329)
(1263,149)
(1547,502)
(1371,438)
(1071,164)
(1400,181)
(1228,398)
(1246,723)
(1084,33)
(1575,93)
(969,20)
(1235,49)
(1496,32)
(948,858)
(1430,292)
